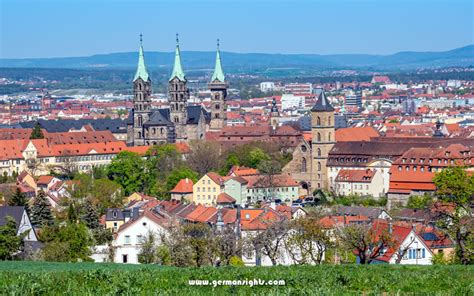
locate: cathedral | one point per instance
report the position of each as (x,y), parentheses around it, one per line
(181,121)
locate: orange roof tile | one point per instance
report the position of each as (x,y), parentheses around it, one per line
(183,186)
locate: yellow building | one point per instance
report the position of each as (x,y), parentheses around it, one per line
(206,189)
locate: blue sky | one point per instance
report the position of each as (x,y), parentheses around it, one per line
(64,28)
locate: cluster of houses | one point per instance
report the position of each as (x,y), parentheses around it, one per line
(242,186)
(414,236)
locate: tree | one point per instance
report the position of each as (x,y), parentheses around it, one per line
(148,250)
(455,190)
(366,241)
(89,216)
(70,243)
(204,156)
(128,169)
(307,240)
(19,199)
(270,168)
(229,246)
(202,244)
(256,156)
(268,241)
(37,133)
(419,201)
(10,242)
(40,211)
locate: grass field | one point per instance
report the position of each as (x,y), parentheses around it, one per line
(39,278)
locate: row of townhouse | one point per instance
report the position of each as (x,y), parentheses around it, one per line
(236,188)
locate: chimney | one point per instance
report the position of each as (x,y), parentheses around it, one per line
(187,180)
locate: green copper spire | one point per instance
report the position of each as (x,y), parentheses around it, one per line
(218,73)
(141,69)
(177,69)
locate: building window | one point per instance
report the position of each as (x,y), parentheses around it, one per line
(318,121)
(319,152)
(127,239)
(319,137)
(303,165)
(319,166)
(124,258)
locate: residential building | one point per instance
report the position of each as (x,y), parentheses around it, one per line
(183,190)
(207,189)
(359,182)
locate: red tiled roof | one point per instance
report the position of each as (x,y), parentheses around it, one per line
(355,134)
(44,180)
(224,198)
(183,186)
(242,171)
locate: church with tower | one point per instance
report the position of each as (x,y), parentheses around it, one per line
(181,121)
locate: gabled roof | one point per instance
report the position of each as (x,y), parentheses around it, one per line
(322,104)
(225,198)
(16,212)
(45,180)
(150,215)
(183,186)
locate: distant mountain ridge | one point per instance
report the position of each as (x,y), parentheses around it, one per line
(204,60)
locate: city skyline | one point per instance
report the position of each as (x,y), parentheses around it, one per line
(52,29)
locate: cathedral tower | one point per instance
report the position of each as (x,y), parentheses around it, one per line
(141,99)
(274,114)
(218,87)
(178,96)
(323,133)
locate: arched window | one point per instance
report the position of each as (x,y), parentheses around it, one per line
(319,166)
(329,137)
(319,137)
(176,119)
(161,130)
(303,165)
(319,152)
(329,120)
(140,120)
(139,135)
(154,131)
(318,120)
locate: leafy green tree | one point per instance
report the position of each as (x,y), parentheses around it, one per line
(19,199)
(181,173)
(128,169)
(419,201)
(37,133)
(256,156)
(10,242)
(148,249)
(71,213)
(71,243)
(41,211)
(455,190)
(89,216)
(102,193)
